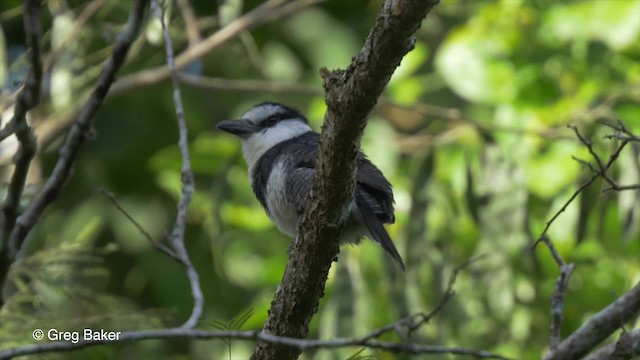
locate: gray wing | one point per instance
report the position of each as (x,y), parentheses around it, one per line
(376,192)
(373,195)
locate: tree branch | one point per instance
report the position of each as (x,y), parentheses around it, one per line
(271,9)
(351,95)
(27,99)
(156,244)
(599,327)
(300,344)
(76,136)
(557,298)
(627,346)
(188,183)
(190,22)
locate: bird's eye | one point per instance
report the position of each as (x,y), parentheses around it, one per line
(270,121)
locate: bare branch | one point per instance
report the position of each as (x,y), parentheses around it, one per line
(557,299)
(559,289)
(587,144)
(86,14)
(627,346)
(190,22)
(300,344)
(606,166)
(622,133)
(621,188)
(599,327)
(27,99)
(351,95)
(249,85)
(601,169)
(623,137)
(557,302)
(156,244)
(270,10)
(415,321)
(77,135)
(188,184)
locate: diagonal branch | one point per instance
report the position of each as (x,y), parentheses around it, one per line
(557,298)
(599,327)
(415,321)
(269,10)
(77,135)
(623,134)
(190,21)
(156,244)
(612,159)
(351,95)
(627,346)
(27,99)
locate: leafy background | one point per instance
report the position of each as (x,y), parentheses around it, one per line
(471,131)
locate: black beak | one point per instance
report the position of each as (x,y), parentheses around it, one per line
(241,128)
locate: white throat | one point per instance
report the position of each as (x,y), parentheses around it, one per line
(257,144)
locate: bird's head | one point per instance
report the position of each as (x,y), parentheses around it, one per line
(264,126)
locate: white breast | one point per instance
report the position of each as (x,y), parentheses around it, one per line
(282,212)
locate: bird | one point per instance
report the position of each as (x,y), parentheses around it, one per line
(280,149)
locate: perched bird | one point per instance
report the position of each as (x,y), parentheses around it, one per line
(280,150)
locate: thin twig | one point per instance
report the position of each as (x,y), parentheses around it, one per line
(249,85)
(79,131)
(415,321)
(268,11)
(559,289)
(623,137)
(156,244)
(601,169)
(190,22)
(557,303)
(621,188)
(301,344)
(557,298)
(79,23)
(188,185)
(27,99)
(611,160)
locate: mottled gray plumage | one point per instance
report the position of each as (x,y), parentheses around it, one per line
(280,149)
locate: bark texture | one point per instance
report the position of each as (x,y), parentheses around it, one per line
(351,94)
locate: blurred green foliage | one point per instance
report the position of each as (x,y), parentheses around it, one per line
(471,132)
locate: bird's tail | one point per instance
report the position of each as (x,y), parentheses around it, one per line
(380,235)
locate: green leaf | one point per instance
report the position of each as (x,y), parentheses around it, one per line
(280,63)
(475,69)
(553,170)
(616,23)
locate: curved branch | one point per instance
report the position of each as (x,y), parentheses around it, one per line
(78,133)
(188,182)
(28,98)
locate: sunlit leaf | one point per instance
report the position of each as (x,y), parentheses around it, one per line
(617,23)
